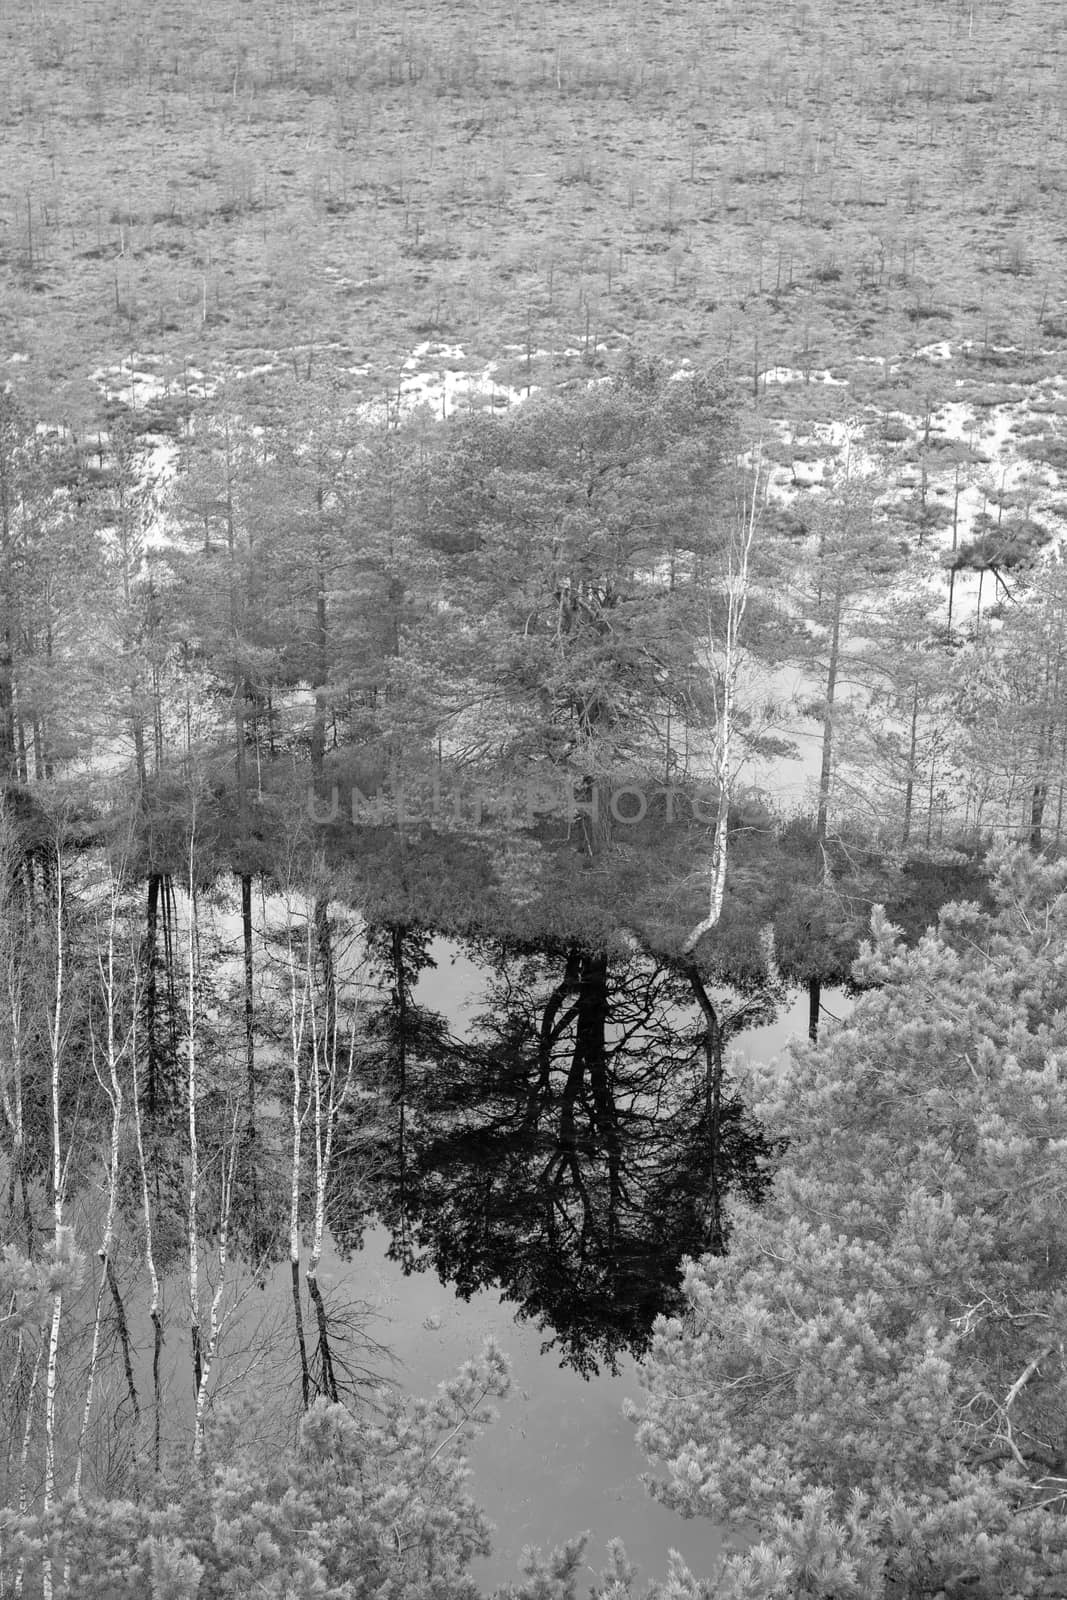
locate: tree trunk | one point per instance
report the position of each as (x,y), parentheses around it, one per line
(909,789)
(150,1262)
(606,1115)
(400,998)
(250,1139)
(298,1323)
(8,631)
(551,1028)
(150,996)
(298,1005)
(129,545)
(157,1387)
(22,771)
(814,1008)
(124,1337)
(318,727)
(38,750)
(8,759)
(112,1086)
(1038,797)
(826,764)
(325,1073)
(24,1456)
(210,1355)
(327,1376)
(51,1368)
(737,586)
(194,1155)
(713,1077)
(324,951)
(822,820)
(170,965)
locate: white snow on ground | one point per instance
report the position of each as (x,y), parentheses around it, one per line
(439,377)
(529,354)
(160,457)
(138,380)
(797,375)
(846,449)
(990,432)
(941,351)
(201,387)
(132,385)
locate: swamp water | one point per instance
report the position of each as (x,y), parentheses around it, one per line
(546,1151)
(561,1458)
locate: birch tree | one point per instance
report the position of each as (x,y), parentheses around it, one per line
(58,1185)
(724,666)
(62,1248)
(192,1233)
(208,1353)
(298,986)
(11,1038)
(328,1093)
(109,1079)
(320,1076)
(154,1307)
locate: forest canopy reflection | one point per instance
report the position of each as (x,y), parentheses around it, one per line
(563,1152)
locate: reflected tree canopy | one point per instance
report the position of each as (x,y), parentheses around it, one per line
(563,1151)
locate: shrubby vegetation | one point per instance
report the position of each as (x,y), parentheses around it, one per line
(873,1378)
(367,1505)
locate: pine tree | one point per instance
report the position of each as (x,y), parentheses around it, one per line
(358,1507)
(874,1375)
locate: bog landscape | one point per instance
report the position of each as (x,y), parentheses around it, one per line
(533,571)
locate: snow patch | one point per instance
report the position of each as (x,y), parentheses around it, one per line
(132,382)
(439,378)
(822,375)
(941,350)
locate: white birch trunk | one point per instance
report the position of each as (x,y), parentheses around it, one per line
(24,1457)
(11,1083)
(51,1368)
(324,1140)
(737,586)
(214,1320)
(194,1159)
(298,1013)
(112,1088)
(320,1057)
(149,1250)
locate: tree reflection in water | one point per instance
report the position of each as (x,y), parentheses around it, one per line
(562,1152)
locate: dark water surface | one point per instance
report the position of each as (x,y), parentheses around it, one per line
(562,1458)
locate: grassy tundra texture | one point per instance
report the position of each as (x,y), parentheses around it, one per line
(231,182)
